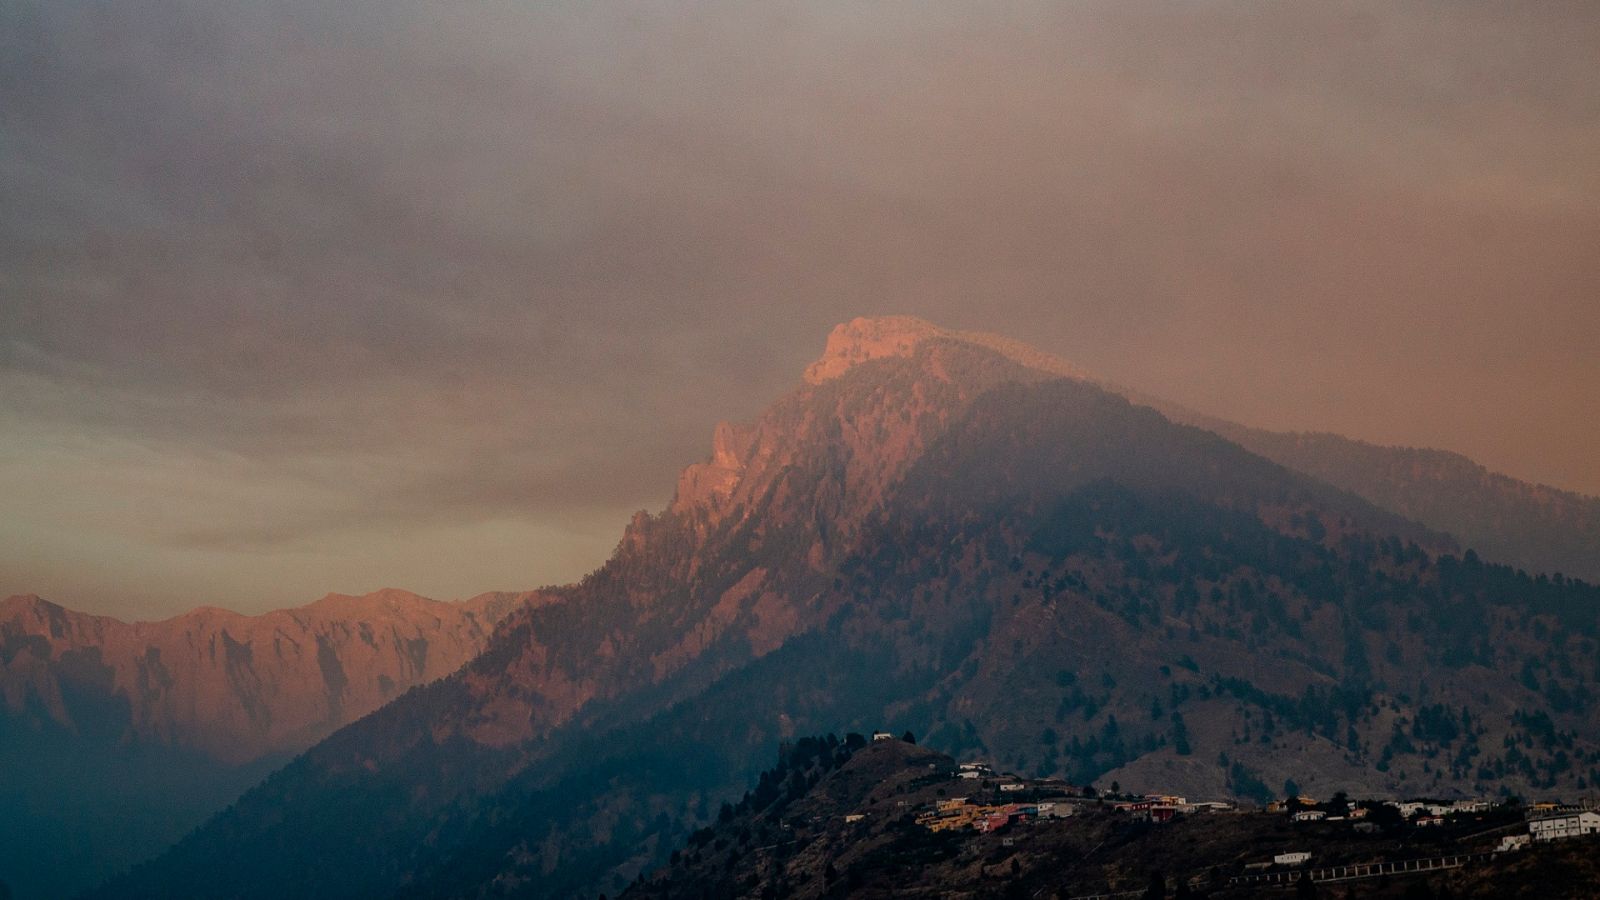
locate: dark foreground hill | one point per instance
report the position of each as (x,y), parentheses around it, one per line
(849,819)
(943,535)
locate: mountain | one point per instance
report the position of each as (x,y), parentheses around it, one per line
(958,537)
(119,737)
(1531,526)
(232,687)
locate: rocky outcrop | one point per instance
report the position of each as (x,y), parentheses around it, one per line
(864,339)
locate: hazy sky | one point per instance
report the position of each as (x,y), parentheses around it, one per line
(310,296)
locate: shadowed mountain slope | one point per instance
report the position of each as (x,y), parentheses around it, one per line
(1531,526)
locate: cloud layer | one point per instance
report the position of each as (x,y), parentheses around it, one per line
(297,296)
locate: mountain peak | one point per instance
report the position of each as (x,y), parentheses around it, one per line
(863,339)
(868,338)
(20,602)
(383,596)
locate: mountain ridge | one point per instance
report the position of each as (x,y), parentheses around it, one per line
(1534,526)
(330,662)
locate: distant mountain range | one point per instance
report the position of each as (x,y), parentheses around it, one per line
(963,537)
(232,687)
(117,738)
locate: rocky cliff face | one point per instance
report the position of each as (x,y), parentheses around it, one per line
(232,687)
(882,337)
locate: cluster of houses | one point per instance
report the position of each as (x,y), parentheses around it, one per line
(1166,807)
(1052,799)
(958,813)
(1425,814)
(1546,822)
(1421,813)
(961,813)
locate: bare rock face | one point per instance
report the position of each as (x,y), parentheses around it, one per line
(233,687)
(860,340)
(710,482)
(864,339)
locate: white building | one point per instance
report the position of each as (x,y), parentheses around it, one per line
(1310,815)
(1419,807)
(1564,825)
(1512,842)
(1012,786)
(1055,810)
(1167,799)
(882,736)
(1291,859)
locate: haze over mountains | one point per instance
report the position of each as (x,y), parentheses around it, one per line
(956,535)
(1534,526)
(119,736)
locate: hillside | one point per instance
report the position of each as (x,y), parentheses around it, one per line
(932,534)
(1531,526)
(119,737)
(852,819)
